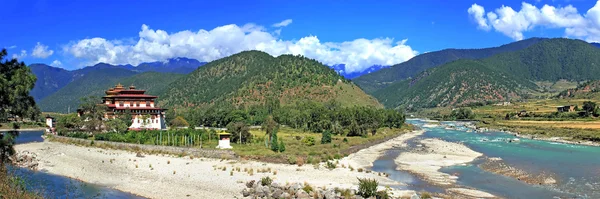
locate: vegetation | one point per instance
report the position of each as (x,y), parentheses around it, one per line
(96,82)
(383,78)
(367,187)
(252,78)
(16,80)
(179,122)
(506,76)
(266,181)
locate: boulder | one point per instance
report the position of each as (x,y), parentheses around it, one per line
(245,192)
(415,196)
(277,193)
(286,195)
(296,186)
(301,194)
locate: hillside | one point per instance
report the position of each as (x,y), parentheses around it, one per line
(587,90)
(382,78)
(51,79)
(96,82)
(457,83)
(497,78)
(251,77)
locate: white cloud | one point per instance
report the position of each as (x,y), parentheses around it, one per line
(512,23)
(41,51)
(11,47)
(477,12)
(21,55)
(222,41)
(283,23)
(56,63)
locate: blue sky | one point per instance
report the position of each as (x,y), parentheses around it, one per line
(357,33)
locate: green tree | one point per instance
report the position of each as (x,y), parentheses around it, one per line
(70,121)
(240,132)
(127,117)
(281,146)
(269,126)
(7,142)
(589,107)
(16,80)
(179,122)
(116,125)
(326,138)
(274,143)
(92,113)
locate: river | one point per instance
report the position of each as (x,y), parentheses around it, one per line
(575,167)
(54,186)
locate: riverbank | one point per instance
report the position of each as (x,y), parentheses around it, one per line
(161,176)
(539,133)
(431,156)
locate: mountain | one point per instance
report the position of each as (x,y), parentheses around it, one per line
(380,79)
(509,75)
(341,69)
(587,90)
(96,82)
(179,65)
(596,44)
(251,77)
(51,79)
(456,83)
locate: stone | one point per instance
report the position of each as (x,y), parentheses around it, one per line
(301,194)
(286,195)
(415,196)
(296,187)
(277,193)
(329,194)
(276,185)
(245,192)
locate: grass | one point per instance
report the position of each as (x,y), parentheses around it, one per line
(299,153)
(14,187)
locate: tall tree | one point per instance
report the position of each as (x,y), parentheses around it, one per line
(16,80)
(92,112)
(269,126)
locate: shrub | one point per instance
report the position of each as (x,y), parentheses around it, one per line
(309,141)
(281,146)
(337,156)
(266,181)
(425,195)
(310,160)
(307,188)
(367,187)
(300,161)
(382,195)
(345,140)
(274,143)
(292,159)
(330,165)
(326,137)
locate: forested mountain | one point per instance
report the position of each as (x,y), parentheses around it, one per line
(497,78)
(341,69)
(98,81)
(252,78)
(382,78)
(51,79)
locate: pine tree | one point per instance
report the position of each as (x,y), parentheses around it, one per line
(281,146)
(274,144)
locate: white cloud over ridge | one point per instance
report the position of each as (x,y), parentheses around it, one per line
(513,23)
(41,51)
(56,63)
(222,41)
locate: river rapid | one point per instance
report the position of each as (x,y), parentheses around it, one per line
(575,168)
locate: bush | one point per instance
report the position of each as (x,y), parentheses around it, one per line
(266,181)
(345,140)
(330,165)
(309,141)
(307,188)
(326,137)
(292,159)
(281,146)
(382,194)
(425,195)
(367,187)
(274,143)
(82,135)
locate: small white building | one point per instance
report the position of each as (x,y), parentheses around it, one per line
(224,138)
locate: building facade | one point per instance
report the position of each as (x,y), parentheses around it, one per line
(143,109)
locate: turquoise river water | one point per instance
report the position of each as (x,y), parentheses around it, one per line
(576,167)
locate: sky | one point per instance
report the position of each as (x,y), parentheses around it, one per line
(75,34)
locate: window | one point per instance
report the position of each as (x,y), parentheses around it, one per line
(137,103)
(147,103)
(120,103)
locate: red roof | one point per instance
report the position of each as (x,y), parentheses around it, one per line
(132,96)
(139,108)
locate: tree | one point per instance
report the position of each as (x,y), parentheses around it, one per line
(116,125)
(92,113)
(127,117)
(281,146)
(274,143)
(179,122)
(240,132)
(588,107)
(269,126)
(70,121)
(7,143)
(16,80)
(326,138)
